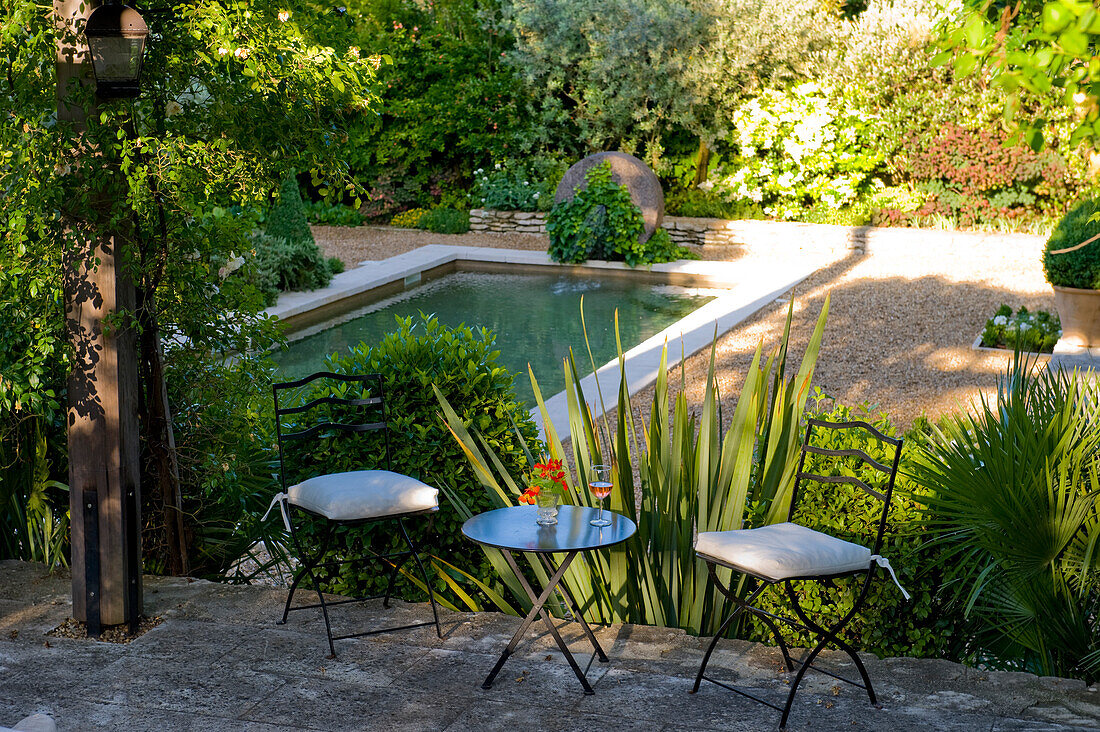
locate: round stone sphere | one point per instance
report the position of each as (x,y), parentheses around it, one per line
(626,170)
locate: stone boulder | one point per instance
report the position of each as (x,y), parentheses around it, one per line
(626,170)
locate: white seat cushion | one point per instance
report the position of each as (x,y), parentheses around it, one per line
(363,494)
(783,551)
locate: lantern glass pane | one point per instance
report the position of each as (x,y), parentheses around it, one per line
(116,59)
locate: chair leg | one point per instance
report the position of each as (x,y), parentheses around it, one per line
(320,595)
(779,639)
(315,559)
(308,570)
(741,605)
(827,636)
(392,581)
(290,595)
(415,549)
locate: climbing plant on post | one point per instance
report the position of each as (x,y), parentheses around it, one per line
(232,95)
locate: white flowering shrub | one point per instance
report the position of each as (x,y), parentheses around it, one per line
(798,149)
(517,186)
(1036,332)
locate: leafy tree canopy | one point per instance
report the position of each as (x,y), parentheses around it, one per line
(233,94)
(1043,55)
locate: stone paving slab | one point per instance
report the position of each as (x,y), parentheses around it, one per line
(219,662)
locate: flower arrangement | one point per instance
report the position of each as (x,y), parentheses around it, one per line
(1036,332)
(546,476)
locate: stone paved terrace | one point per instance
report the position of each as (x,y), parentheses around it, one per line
(219,662)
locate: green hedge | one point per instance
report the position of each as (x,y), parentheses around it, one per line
(463,364)
(888,625)
(445,221)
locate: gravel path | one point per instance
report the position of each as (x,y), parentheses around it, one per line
(899,329)
(371,243)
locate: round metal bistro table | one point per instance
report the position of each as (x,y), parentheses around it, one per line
(513,529)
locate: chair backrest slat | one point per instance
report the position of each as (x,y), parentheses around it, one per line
(322,426)
(362,410)
(855,423)
(891,471)
(329,400)
(849,453)
(348,378)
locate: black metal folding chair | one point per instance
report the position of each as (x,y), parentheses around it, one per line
(785,553)
(353,405)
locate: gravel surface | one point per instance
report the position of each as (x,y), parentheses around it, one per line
(372,243)
(76,630)
(900,323)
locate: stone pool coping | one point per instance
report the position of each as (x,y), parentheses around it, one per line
(751,284)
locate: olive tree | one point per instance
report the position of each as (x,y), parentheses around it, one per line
(625,73)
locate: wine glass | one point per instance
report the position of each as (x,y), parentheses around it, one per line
(599,483)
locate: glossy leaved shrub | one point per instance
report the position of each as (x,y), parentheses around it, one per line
(602,222)
(598,222)
(462,363)
(888,624)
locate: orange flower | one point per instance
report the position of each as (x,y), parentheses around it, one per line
(547,475)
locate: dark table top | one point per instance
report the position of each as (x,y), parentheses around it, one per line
(514,528)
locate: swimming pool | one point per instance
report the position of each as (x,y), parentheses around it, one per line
(536,318)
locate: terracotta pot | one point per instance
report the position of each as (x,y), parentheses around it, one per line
(1079,311)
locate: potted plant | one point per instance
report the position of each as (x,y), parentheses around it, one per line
(1071,262)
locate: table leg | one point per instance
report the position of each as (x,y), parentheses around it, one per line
(577,614)
(537,609)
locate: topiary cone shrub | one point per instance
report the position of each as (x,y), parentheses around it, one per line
(288,216)
(1079,268)
(286,256)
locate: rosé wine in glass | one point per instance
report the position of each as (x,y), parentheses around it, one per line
(599,482)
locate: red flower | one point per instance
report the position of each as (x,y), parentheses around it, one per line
(547,475)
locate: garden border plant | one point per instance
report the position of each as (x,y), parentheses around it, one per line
(601,222)
(1011,500)
(421,358)
(1036,332)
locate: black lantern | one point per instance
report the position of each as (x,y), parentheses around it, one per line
(116,39)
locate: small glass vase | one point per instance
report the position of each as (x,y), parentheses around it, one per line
(547,512)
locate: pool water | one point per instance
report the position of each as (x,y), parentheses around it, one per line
(536,318)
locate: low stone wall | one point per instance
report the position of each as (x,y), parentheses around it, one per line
(684,231)
(753,234)
(508,222)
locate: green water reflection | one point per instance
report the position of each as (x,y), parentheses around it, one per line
(536,319)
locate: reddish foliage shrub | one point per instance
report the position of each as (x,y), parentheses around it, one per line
(974,177)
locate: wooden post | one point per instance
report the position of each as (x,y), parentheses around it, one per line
(103,396)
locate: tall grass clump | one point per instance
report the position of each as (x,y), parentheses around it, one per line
(673,475)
